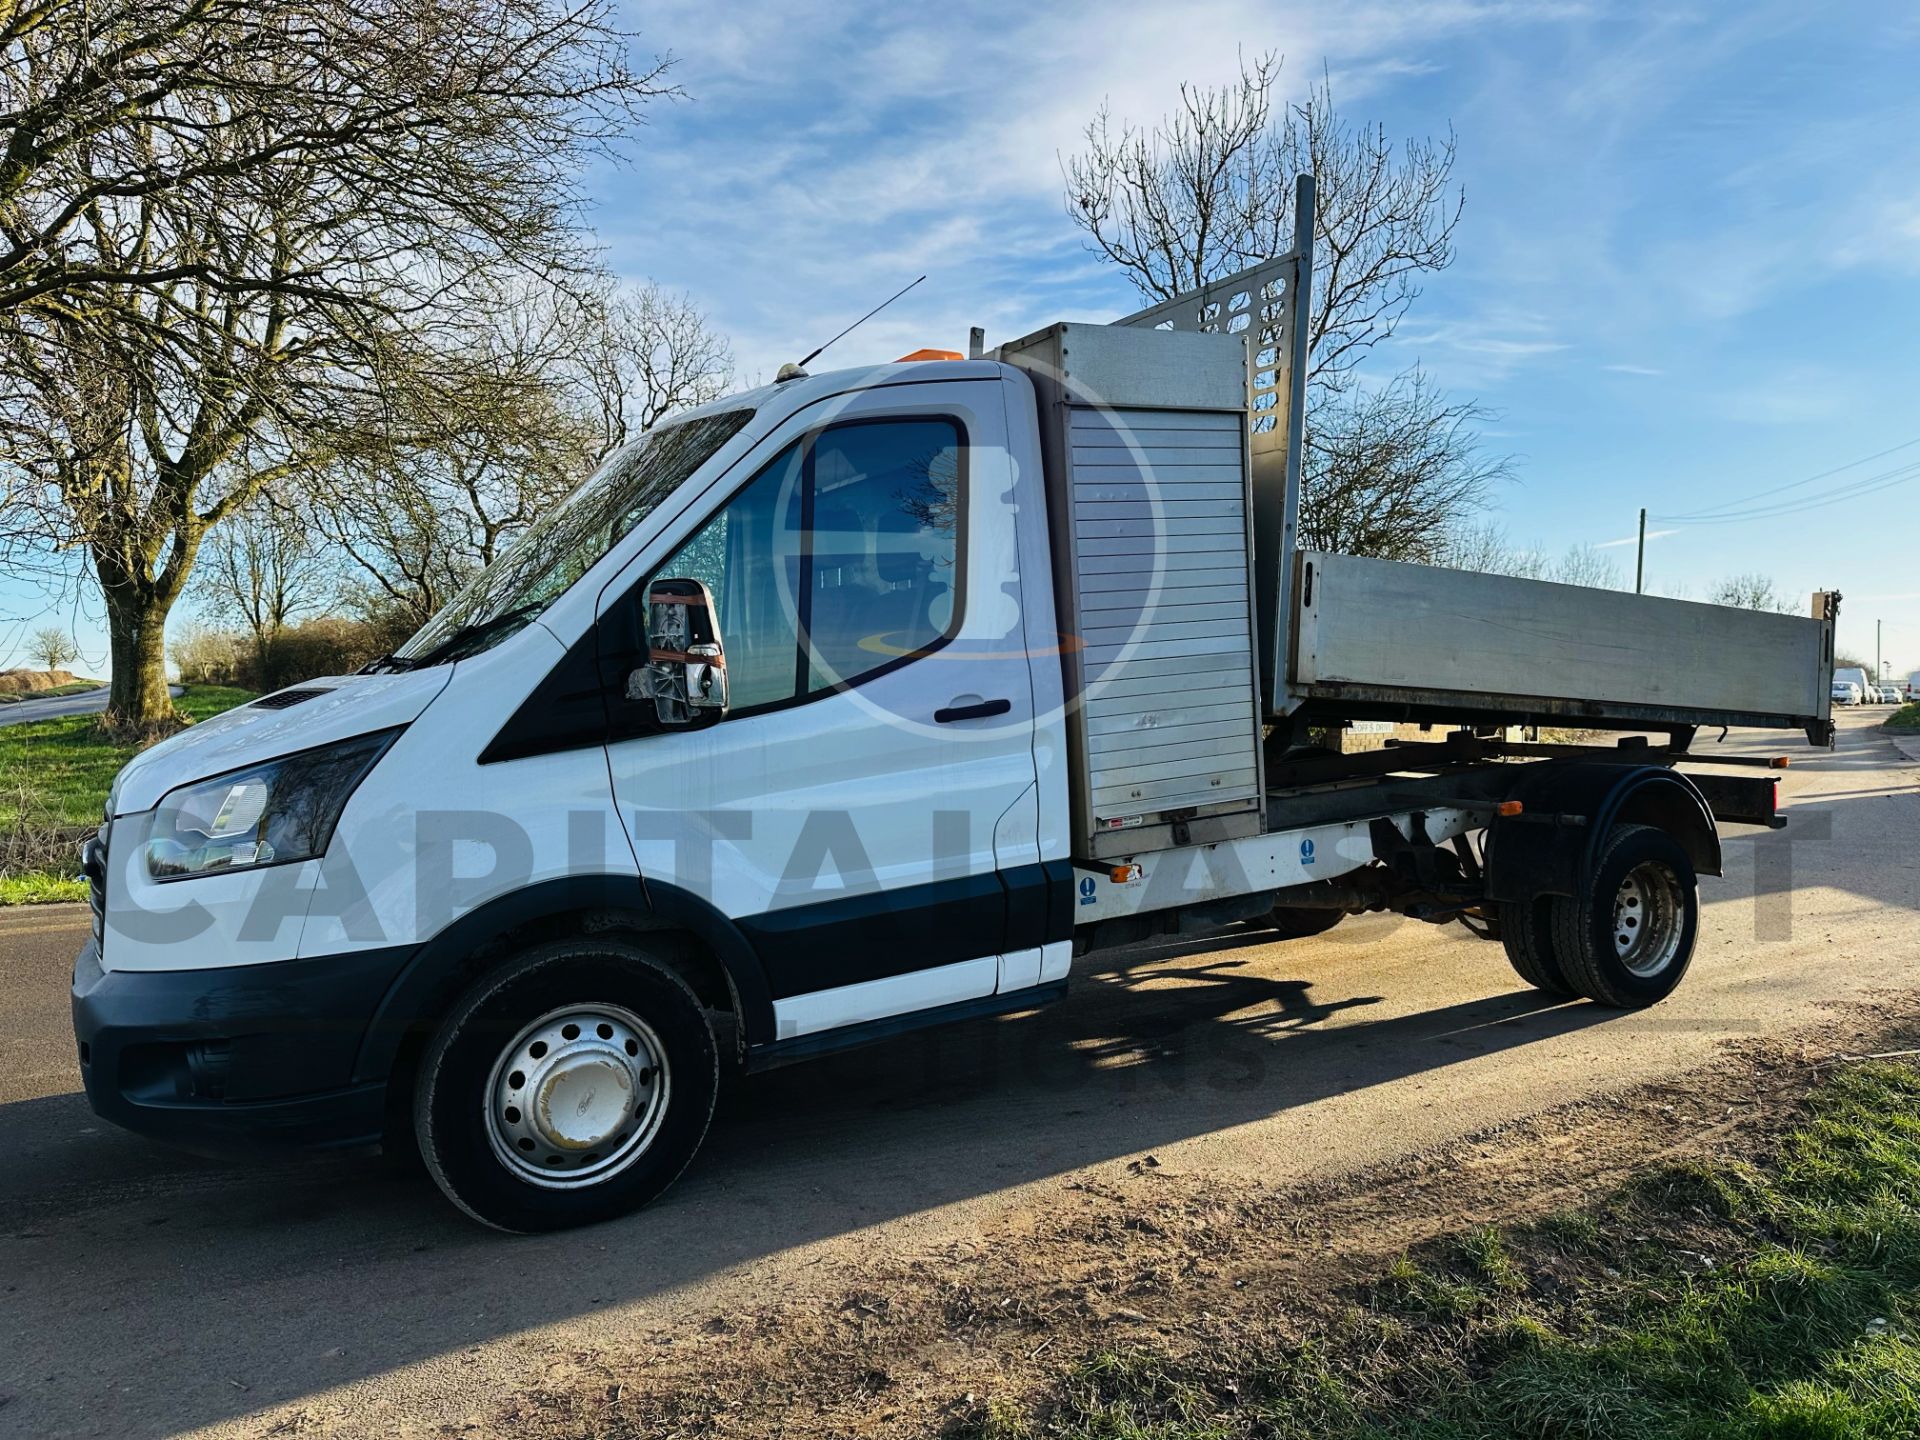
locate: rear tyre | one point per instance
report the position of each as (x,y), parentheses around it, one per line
(569,1087)
(1526,930)
(1298,922)
(1628,940)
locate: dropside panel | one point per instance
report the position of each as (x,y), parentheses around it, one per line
(1377,631)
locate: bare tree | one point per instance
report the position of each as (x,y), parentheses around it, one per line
(1586,565)
(204,655)
(1209,190)
(415,525)
(647,355)
(69,74)
(1485,547)
(53,648)
(169,101)
(486,437)
(265,569)
(1392,472)
(253,226)
(506,430)
(1752,591)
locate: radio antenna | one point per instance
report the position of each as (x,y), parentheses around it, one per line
(861,321)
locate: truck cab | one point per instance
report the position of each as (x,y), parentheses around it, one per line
(868,819)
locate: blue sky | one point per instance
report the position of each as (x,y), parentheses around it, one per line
(1689,267)
(1688,271)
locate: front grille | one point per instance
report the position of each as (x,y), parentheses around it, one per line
(93,865)
(281,699)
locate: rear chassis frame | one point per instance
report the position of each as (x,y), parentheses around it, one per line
(1541,810)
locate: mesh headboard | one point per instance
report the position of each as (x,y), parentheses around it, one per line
(1260,299)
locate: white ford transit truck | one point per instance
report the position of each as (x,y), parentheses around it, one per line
(865,701)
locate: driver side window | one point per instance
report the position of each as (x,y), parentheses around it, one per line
(839,559)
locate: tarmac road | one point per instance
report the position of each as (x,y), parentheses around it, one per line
(145,1292)
(51,707)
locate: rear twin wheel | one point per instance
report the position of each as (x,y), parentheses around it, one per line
(1298,922)
(1628,940)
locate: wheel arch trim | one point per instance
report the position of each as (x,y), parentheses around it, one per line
(1531,854)
(440,968)
(1670,802)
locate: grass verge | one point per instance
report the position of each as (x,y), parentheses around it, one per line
(70,761)
(1906,719)
(77,687)
(41,887)
(1770,1298)
(54,776)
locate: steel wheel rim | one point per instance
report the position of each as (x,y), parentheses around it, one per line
(577,1096)
(1648,915)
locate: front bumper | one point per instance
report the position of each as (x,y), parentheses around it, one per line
(234,1058)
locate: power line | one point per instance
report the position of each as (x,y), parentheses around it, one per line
(1796,484)
(1865,486)
(1884,480)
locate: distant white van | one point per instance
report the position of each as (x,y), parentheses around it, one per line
(1913,686)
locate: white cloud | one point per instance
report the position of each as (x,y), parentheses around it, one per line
(1473,352)
(1634,539)
(830,153)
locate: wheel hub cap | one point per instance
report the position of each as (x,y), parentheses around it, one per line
(581,1102)
(576,1096)
(1647,919)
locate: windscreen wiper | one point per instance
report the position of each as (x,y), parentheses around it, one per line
(388,662)
(467,634)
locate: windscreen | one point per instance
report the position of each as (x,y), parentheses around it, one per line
(563,545)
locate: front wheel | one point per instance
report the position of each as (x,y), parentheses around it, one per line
(571,1086)
(1628,940)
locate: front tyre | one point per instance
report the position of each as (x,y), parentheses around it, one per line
(1627,941)
(571,1086)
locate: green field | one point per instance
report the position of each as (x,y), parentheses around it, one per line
(1775,1298)
(54,776)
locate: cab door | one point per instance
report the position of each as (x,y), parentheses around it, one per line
(866,806)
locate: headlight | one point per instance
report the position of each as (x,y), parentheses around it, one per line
(267,814)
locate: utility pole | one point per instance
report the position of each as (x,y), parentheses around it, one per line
(1640,557)
(1876,652)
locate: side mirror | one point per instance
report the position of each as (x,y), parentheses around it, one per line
(686,671)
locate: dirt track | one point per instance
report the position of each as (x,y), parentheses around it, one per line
(143,1292)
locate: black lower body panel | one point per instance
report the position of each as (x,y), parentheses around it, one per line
(236,1057)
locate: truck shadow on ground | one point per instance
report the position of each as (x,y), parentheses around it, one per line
(308,1274)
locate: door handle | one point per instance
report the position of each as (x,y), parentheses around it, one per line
(979,710)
